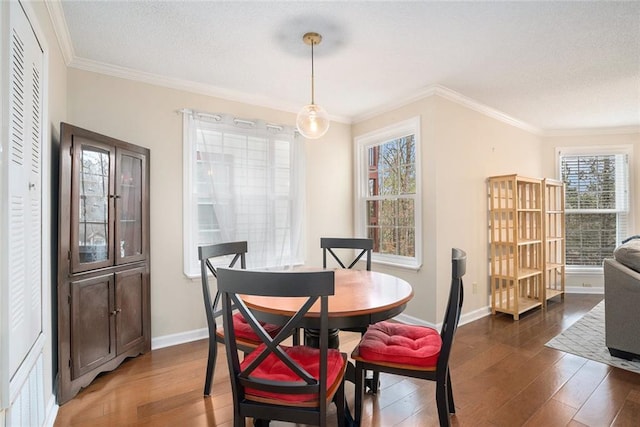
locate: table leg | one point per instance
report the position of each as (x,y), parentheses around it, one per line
(312,338)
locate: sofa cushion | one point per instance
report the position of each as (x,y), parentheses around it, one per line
(629,254)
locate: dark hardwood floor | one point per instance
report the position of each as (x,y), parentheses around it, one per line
(502,375)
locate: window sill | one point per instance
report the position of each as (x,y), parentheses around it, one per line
(405,266)
(584,271)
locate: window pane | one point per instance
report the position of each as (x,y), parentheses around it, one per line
(408,179)
(392,168)
(406,241)
(392,214)
(388,210)
(590,238)
(373,233)
(406,213)
(207,220)
(373,207)
(590,182)
(388,243)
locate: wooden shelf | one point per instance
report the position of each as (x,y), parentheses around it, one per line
(551,293)
(528,242)
(554,242)
(526,236)
(552,266)
(523,273)
(523,305)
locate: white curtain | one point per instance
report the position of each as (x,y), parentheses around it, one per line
(247,183)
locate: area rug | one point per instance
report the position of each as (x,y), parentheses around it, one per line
(585,338)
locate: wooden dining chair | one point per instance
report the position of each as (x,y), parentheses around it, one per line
(247,339)
(415,351)
(278,382)
(328,244)
(365,246)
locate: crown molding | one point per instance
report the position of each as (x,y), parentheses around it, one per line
(187,85)
(456,97)
(54,7)
(485,109)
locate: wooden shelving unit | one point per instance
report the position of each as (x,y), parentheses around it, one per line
(554,239)
(516,233)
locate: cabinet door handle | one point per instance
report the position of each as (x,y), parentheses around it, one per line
(116,311)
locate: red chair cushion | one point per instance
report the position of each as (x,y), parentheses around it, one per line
(401,344)
(272,368)
(244,331)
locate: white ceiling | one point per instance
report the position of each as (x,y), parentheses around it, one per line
(550,65)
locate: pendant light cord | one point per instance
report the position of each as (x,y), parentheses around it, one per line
(312,76)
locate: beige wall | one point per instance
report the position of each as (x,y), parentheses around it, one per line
(460,149)
(146,115)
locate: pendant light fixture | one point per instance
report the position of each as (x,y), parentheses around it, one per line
(312,121)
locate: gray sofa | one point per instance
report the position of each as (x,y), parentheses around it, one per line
(622,301)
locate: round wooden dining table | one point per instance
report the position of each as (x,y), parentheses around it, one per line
(361,298)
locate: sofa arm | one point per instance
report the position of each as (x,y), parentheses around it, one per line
(622,302)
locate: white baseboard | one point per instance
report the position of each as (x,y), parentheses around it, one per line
(464,319)
(584,290)
(179,338)
(410,320)
(486,311)
(198,334)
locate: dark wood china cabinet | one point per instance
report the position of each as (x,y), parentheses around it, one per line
(103,256)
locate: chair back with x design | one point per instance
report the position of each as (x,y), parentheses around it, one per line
(293,383)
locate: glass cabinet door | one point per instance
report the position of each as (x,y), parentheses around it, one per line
(92,189)
(130,215)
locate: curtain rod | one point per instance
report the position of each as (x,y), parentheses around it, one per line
(236,120)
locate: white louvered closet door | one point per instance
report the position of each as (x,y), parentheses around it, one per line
(24,216)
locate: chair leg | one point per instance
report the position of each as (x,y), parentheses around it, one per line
(211,366)
(359,392)
(442,401)
(373,382)
(452,406)
(341,402)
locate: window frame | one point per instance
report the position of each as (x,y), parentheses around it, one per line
(362,143)
(604,150)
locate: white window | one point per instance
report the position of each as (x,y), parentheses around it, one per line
(242,181)
(596,202)
(388,192)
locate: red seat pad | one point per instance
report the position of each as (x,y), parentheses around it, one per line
(401,344)
(244,331)
(272,368)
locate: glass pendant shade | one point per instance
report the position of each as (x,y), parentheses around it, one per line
(312,121)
